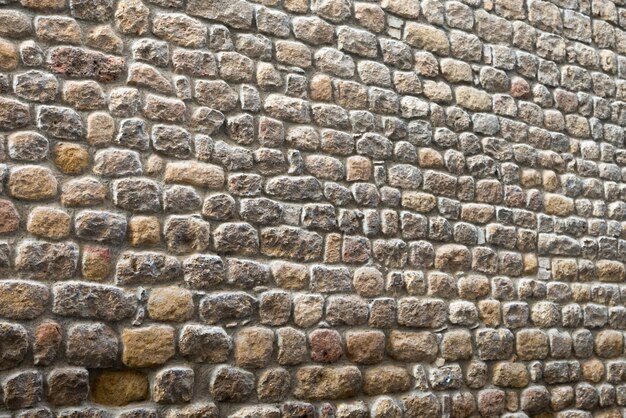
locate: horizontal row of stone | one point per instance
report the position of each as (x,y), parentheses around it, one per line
(315,31)
(71,387)
(491,303)
(222,207)
(460,404)
(198,63)
(559,212)
(187,234)
(115,162)
(61,259)
(542,15)
(184,235)
(407,179)
(96,346)
(220,96)
(176,142)
(229,237)
(253,347)
(85,192)
(433,35)
(241,128)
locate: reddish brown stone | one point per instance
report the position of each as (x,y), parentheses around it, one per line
(48,338)
(326,346)
(81,63)
(9,217)
(96,262)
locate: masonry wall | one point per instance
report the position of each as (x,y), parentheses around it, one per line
(312,209)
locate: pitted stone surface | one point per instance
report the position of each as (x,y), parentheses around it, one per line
(312,208)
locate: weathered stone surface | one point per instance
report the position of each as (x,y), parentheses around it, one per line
(143,75)
(32,183)
(220,307)
(170,304)
(45,261)
(14,345)
(119,388)
(205,344)
(131,17)
(116,163)
(107,303)
(83,192)
(180,29)
(236,237)
(22,299)
(426,37)
(288,206)
(254,347)
(148,267)
(91,345)
(291,243)
(71,158)
(10,218)
(68,386)
(317,382)
(36,86)
(23,389)
(77,62)
(148,346)
(13,114)
(186,234)
(28,146)
(231,384)
(412,346)
(386,379)
(15,24)
(196,174)
(421,313)
(238,14)
(174,385)
(100,226)
(291,109)
(47,343)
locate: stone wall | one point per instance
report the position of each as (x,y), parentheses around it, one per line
(312,208)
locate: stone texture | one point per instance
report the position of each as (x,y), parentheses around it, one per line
(205,344)
(254,347)
(317,382)
(148,346)
(15,345)
(92,301)
(299,208)
(119,388)
(170,304)
(22,184)
(45,260)
(10,217)
(68,386)
(91,345)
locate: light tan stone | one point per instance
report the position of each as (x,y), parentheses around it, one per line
(118,388)
(170,304)
(254,347)
(48,223)
(32,183)
(8,56)
(196,174)
(148,346)
(144,230)
(71,158)
(555,204)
